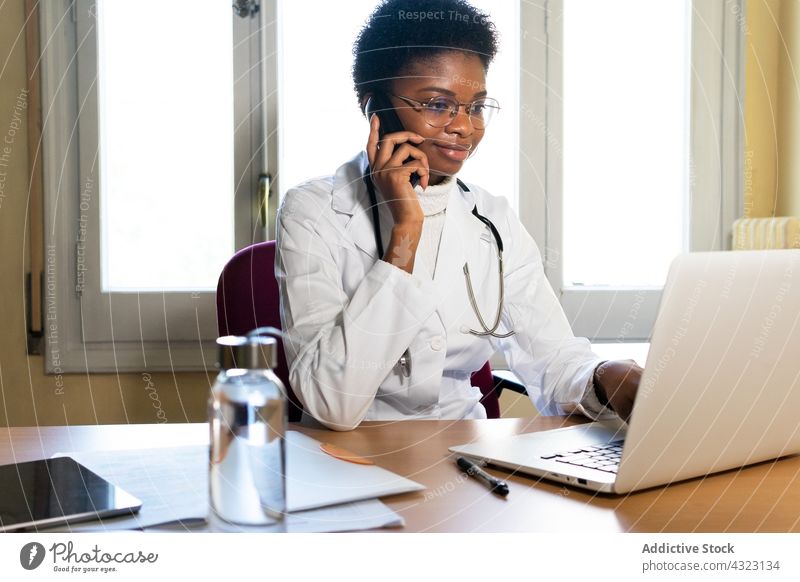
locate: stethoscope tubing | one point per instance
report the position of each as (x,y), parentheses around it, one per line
(487,331)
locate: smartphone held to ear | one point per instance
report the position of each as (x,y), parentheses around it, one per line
(380,105)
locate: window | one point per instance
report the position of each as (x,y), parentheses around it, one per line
(642,151)
(153,136)
(157,194)
(625,133)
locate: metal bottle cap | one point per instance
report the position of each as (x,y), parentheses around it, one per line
(252,353)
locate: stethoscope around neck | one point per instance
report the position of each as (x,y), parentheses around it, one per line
(486,330)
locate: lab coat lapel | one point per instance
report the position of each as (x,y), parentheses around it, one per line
(350,197)
(362,232)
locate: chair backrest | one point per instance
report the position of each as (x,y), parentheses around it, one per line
(248,297)
(484,380)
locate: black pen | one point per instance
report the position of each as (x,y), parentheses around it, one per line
(473,470)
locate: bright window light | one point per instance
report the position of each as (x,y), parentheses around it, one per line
(626,78)
(165,88)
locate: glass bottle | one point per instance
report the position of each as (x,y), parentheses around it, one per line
(247,418)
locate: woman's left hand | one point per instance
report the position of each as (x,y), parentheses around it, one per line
(619,381)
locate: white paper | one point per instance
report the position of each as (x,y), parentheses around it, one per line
(316,479)
(172,484)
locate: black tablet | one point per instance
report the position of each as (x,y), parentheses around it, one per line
(55,491)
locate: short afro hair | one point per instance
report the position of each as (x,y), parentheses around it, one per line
(399,32)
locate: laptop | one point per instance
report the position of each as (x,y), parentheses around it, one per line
(720,388)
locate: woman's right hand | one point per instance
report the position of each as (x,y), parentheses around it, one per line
(392,174)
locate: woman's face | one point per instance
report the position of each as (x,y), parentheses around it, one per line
(455,74)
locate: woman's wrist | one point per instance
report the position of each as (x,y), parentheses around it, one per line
(403,245)
(615,385)
(407,215)
(599,389)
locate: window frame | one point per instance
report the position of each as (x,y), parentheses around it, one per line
(609,314)
(68,60)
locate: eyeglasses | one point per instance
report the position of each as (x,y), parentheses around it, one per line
(441,110)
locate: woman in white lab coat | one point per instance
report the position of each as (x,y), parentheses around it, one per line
(381,319)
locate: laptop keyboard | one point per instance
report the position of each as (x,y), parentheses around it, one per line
(604,458)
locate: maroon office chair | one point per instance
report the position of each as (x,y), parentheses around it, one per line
(248,297)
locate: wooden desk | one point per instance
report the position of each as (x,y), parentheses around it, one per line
(761,498)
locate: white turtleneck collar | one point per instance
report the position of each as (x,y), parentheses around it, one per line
(433,199)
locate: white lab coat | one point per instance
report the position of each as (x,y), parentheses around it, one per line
(351,316)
